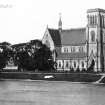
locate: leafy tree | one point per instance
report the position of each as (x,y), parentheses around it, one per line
(5,43)
(44,59)
(35,55)
(2,60)
(4,56)
(22,59)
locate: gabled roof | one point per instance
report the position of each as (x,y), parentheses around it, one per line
(68,37)
(55,35)
(73,36)
(96,10)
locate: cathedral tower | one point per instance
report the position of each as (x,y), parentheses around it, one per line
(95,38)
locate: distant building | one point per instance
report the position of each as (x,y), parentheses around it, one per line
(79,47)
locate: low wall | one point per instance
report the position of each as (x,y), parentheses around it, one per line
(74,77)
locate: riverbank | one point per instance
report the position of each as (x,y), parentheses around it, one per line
(74,77)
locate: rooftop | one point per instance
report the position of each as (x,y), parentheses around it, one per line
(68,37)
(95,10)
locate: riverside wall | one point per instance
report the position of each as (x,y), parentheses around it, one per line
(74,77)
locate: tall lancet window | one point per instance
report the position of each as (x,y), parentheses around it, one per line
(95,19)
(102,21)
(92,36)
(90,20)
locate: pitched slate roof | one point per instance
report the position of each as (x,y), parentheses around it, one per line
(67,37)
(73,36)
(95,10)
(55,36)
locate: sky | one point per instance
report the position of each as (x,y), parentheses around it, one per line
(25,20)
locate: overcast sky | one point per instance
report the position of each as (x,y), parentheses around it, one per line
(24,20)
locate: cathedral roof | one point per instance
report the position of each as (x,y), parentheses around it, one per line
(95,10)
(73,36)
(55,36)
(68,37)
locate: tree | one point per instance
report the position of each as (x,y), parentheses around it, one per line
(33,56)
(3,57)
(22,59)
(5,43)
(44,59)
(5,53)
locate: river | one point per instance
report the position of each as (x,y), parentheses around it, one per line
(27,92)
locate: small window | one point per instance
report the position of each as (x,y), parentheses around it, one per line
(81,49)
(65,49)
(92,36)
(69,49)
(47,43)
(59,64)
(73,49)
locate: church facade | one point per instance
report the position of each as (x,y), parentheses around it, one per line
(78,48)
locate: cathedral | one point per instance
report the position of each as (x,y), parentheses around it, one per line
(78,48)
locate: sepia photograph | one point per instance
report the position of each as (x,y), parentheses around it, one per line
(52,52)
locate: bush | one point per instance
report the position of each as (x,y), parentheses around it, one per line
(4,57)
(35,56)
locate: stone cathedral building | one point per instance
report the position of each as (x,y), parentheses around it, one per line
(73,48)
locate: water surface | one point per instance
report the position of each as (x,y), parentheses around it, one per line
(27,92)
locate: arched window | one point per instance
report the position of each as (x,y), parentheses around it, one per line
(74,64)
(65,50)
(81,49)
(92,36)
(102,21)
(59,64)
(83,64)
(90,20)
(67,64)
(48,43)
(95,19)
(73,49)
